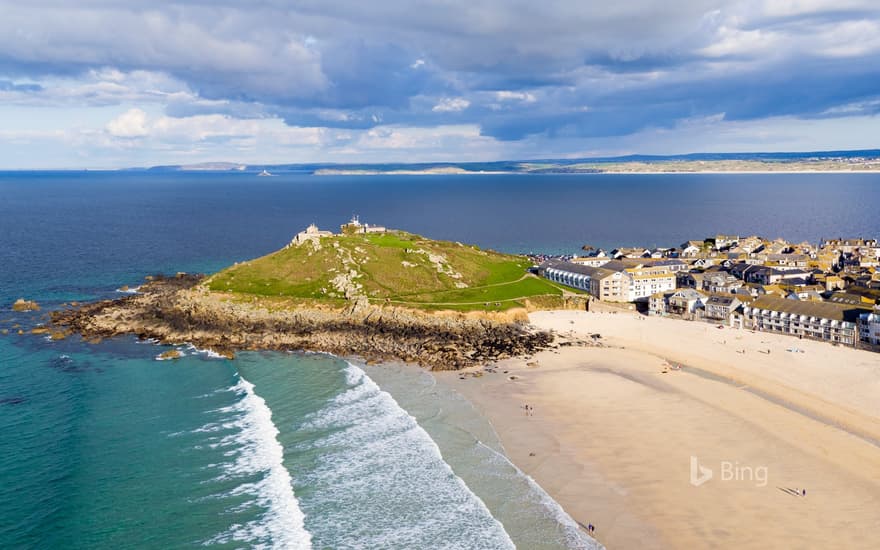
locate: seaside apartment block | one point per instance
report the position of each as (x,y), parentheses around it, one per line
(837,323)
(601,283)
(613,282)
(645,281)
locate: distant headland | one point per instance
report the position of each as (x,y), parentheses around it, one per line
(813,161)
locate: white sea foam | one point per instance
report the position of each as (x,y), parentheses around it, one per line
(573,535)
(133,290)
(254,450)
(204,352)
(381,481)
(146,341)
(531,516)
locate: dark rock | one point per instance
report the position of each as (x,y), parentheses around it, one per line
(174,310)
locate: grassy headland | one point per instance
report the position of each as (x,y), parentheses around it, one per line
(394,268)
(388,296)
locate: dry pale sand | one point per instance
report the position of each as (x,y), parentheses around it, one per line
(612,434)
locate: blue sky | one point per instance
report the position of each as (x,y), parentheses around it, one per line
(113,83)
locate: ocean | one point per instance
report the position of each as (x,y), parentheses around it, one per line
(103,446)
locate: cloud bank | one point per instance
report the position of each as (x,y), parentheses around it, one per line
(331,79)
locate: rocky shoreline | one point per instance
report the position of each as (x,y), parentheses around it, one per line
(176,310)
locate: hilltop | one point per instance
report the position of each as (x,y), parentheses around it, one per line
(391,268)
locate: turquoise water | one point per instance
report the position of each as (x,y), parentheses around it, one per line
(88,449)
(269,450)
(103,446)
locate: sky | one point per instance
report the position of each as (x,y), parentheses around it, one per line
(120,83)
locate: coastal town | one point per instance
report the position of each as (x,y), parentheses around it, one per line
(650,383)
(828,292)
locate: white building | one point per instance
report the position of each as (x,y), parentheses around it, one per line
(355,226)
(311,232)
(644,281)
(869,327)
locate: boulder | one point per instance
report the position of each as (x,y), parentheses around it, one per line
(170,354)
(25,305)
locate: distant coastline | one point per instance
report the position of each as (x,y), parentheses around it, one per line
(628,168)
(434,171)
(860,161)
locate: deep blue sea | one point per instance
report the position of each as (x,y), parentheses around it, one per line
(102,446)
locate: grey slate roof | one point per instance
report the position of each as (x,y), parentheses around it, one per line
(562,265)
(716,300)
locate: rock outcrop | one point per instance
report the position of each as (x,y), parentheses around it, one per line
(176,310)
(25,305)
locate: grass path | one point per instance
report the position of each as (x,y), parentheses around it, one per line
(503,283)
(470,303)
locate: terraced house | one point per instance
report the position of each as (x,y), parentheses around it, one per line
(681,302)
(721,307)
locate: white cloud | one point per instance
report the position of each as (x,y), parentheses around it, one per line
(130,124)
(412,138)
(451,105)
(854,108)
(848,39)
(733,41)
(507,95)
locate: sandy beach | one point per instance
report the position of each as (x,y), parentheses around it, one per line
(616,431)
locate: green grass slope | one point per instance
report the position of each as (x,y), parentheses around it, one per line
(392,268)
